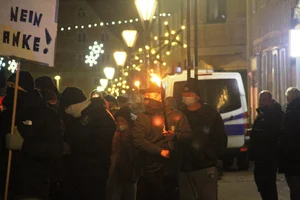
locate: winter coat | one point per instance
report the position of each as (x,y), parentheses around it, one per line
(265,134)
(149,140)
(123,158)
(289,146)
(42,132)
(90,140)
(209,139)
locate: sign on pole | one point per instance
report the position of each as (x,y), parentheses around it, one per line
(28,29)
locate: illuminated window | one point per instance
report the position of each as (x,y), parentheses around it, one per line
(81,12)
(81,36)
(216,11)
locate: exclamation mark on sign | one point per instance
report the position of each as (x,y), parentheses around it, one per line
(48,40)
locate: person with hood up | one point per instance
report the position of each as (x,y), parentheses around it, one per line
(123,177)
(200,157)
(37,141)
(159,157)
(89,134)
(263,149)
(289,143)
(46,83)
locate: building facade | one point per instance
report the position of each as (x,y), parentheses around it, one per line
(221,34)
(270,67)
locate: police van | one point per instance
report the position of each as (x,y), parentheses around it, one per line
(225,92)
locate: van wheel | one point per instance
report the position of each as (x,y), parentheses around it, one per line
(242,161)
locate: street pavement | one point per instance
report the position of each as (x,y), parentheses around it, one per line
(240,185)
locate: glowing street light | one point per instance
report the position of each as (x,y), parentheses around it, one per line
(109,72)
(120,57)
(104,83)
(146,8)
(57,79)
(129,36)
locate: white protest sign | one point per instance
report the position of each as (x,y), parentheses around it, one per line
(28,29)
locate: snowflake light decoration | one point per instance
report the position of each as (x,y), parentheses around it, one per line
(94,54)
(12,64)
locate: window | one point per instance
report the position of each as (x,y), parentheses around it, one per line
(81,36)
(104,37)
(216,11)
(222,94)
(275,75)
(81,12)
(264,71)
(253,6)
(283,74)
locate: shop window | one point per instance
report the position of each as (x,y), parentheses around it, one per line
(284,73)
(275,75)
(216,11)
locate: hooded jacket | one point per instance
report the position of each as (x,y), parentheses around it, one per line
(149,140)
(90,139)
(289,147)
(265,134)
(209,139)
(42,132)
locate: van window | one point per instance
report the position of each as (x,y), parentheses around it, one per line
(222,94)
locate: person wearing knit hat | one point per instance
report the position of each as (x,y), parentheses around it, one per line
(209,138)
(157,134)
(113,104)
(89,132)
(36,142)
(123,176)
(26,86)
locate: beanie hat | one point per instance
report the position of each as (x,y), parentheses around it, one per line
(111,99)
(72,95)
(48,95)
(153,88)
(95,92)
(191,86)
(125,112)
(123,99)
(25,80)
(45,82)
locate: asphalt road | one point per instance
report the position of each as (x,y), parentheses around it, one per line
(240,185)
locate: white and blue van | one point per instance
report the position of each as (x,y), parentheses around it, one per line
(225,92)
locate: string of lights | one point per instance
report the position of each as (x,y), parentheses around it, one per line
(111,23)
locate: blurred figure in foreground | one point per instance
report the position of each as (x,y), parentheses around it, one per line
(264,145)
(89,134)
(123,176)
(289,148)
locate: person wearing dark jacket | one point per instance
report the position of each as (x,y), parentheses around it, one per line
(200,158)
(263,148)
(36,142)
(89,134)
(159,155)
(289,143)
(123,177)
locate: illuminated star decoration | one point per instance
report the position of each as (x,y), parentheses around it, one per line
(94,54)
(164,46)
(119,86)
(12,64)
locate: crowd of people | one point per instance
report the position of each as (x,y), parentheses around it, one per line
(76,147)
(274,144)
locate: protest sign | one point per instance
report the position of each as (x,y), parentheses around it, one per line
(28,29)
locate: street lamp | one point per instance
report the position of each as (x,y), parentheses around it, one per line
(129,36)
(104,83)
(57,78)
(146,10)
(120,58)
(109,72)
